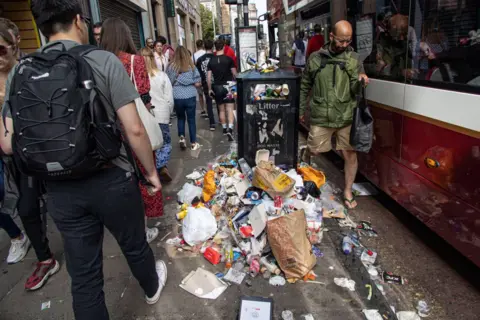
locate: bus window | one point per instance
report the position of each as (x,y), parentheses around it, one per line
(385,41)
(448,51)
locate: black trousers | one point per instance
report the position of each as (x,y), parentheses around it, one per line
(81,209)
(30,213)
(10,227)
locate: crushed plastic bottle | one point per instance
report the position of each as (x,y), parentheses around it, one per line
(349,242)
(423,309)
(246,169)
(368,256)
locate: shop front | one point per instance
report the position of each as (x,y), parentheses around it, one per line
(19,12)
(130,12)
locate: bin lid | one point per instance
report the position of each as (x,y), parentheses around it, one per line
(280,74)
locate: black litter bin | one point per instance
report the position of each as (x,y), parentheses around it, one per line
(267,115)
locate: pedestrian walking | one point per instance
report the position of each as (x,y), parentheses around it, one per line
(19,241)
(299,50)
(22,193)
(316,42)
(94,192)
(162,101)
(160,59)
(202,66)
(117,38)
(185,80)
(333,74)
(223,70)
(167,49)
(197,55)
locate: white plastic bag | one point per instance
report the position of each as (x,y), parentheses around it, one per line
(198,226)
(188,193)
(149,122)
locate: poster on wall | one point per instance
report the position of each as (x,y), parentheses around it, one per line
(364,35)
(247,46)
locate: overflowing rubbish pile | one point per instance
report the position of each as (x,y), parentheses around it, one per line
(253,221)
(265,223)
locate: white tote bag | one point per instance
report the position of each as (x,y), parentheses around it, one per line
(149,122)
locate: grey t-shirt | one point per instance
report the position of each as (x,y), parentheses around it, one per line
(114,85)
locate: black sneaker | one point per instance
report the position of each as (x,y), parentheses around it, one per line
(230,134)
(212,127)
(224,131)
(203,114)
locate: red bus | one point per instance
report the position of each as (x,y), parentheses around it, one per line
(423,59)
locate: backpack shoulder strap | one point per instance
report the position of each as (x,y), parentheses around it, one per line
(323,62)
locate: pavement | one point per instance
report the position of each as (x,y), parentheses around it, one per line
(446,282)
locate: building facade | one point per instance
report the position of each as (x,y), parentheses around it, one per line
(226,17)
(252,14)
(135,13)
(178,21)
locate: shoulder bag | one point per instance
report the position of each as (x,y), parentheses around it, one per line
(149,122)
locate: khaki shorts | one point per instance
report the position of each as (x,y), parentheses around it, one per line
(320,139)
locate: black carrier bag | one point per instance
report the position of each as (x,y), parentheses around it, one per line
(61,128)
(361,134)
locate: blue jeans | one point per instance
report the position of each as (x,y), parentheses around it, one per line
(185,109)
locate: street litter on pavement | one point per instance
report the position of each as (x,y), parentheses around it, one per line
(46,305)
(203,284)
(345,283)
(264,223)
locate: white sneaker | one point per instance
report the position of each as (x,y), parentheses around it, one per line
(18,249)
(195,146)
(161,268)
(152,234)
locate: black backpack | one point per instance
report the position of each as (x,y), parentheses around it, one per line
(61,127)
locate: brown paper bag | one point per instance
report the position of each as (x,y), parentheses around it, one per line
(272,181)
(287,237)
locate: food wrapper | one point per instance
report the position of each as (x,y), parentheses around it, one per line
(310,174)
(271,180)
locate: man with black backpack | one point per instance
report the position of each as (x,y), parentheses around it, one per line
(60,115)
(333,74)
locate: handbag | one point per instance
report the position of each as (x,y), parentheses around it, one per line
(148,119)
(361,133)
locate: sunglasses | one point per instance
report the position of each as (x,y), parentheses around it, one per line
(4,50)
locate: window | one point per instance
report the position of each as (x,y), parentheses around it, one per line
(448,48)
(384,40)
(433,43)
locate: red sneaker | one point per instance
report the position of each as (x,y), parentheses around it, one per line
(41,274)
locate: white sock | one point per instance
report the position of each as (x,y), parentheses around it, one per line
(230,125)
(224,126)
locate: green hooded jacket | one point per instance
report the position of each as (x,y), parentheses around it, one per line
(333,80)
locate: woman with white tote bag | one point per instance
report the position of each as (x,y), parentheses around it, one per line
(162,102)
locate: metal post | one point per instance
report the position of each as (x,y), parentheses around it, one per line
(214,11)
(245,13)
(239,13)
